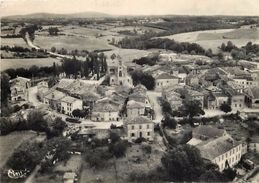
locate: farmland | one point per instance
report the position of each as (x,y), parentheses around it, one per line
(10,142)
(214,38)
(71,43)
(14,42)
(26,63)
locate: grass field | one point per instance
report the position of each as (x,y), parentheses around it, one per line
(214,38)
(14,42)
(10,142)
(71,43)
(26,63)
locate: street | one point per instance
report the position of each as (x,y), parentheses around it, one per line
(153,98)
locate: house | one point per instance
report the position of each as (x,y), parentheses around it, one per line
(217,146)
(223,151)
(135,109)
(69,177)
(42,84)
(139,89)
(252,97)
(139,127)
(254,144)
(53,99)
(236,99)
(117,72)
(19,88)
(192,95)
(165,80)
(138,97)
(174,99)
(192,79)
(69,104)
(42,89)
(105,110)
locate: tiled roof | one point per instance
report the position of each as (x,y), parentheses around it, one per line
(207,131)
(138,120)
(69,99)
(105,107)
(166,76)
(133,104)
(55,95)
(215,147)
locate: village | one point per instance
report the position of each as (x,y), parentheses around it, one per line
(93,108)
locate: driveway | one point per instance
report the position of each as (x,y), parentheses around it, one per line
(154,100)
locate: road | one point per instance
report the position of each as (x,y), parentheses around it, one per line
(32,96)
(153,98)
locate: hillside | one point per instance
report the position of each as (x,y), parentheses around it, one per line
(56,16)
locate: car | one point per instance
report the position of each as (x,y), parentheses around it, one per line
(248,164)
(73,120)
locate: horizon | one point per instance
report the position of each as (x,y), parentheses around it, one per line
(132,7)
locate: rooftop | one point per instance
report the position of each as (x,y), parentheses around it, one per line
(166,76)
(69,99)
(105,107)
(55,95)
(133,104)
(138,120)
(215,147)
(207,131)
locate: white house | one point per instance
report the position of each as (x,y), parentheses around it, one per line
(105,111)
(135,109)
(19,88)
(68,104)
(217,146)
(165,80)
(139,127)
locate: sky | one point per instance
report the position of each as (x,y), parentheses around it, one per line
(132,7)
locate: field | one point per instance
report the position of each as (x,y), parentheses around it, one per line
(128,55)
(214,38)
(71,43)
(14,42)
(26,63)
(10,142)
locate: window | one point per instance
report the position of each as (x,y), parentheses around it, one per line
(148,133)
(147,126)
(132,127)
(120,74)
(140,127)
(132,134)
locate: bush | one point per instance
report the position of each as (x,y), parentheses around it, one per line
(118,149)
(140,140)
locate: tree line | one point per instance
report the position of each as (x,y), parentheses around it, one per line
(247,52)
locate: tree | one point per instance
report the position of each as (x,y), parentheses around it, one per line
(58,126)
(53,49)
(118,149)
(5,89)
(146,79)
(225,108)
(26,156)
(191,108)
(114,137)
(53,31)
(169,122)
(36,121)
(181,161)
(223,47)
